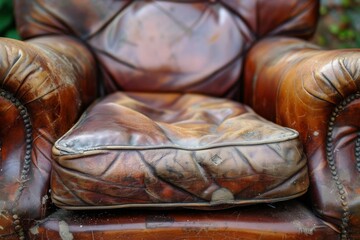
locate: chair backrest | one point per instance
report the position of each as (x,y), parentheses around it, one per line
(169,46)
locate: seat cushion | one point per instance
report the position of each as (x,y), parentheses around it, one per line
(169,150)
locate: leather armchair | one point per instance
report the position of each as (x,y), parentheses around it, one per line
(169,131)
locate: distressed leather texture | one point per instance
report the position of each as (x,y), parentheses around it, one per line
(172,50)
(283,220)
(134,149)
(169,46)
(40,82)
(317,92)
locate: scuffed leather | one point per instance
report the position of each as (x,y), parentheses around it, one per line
(175,150)
(225,30)
(52,79)
(169,46)
(298,85)
(283,220)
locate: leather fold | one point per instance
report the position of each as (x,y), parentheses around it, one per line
(44,85)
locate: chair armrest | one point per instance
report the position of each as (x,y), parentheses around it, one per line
(316,92)
(44,85)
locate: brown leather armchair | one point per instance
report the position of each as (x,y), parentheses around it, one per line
(169,150)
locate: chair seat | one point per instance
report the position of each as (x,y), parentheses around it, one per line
(169,150)
(286,220)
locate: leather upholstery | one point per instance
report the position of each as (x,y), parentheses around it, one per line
(317,92)
(169,46)
(44,85)
(283,220)
(149,46)
(159,150)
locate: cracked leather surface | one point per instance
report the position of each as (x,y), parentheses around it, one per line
(283,220)
(217,34)
(44,77)
(136,149)
(317,92)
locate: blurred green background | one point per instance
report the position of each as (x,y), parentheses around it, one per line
(339,26)
(7,23)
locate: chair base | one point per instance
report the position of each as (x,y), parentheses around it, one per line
(285,220)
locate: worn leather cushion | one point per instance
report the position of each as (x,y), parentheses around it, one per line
(165,150)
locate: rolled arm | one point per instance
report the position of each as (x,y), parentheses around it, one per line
(44,85)
(316,92)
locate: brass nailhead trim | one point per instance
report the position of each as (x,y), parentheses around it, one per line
(357,152)
(331,162)
(18,228)
(27,158)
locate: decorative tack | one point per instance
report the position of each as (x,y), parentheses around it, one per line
(27,158)
(357,152)
(331,162)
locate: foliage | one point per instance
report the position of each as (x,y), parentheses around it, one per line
(339,26)
(7,23)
